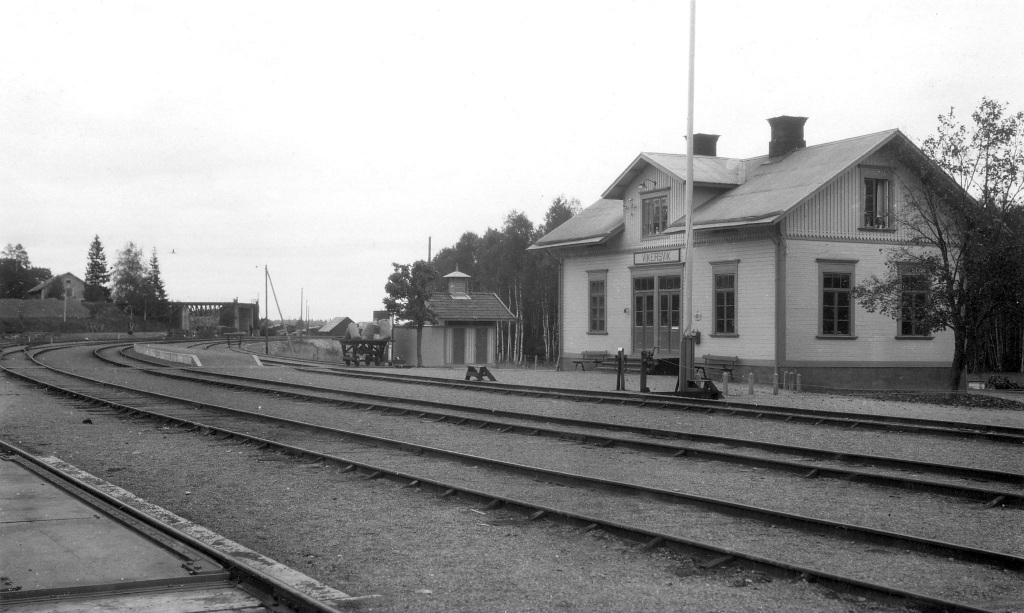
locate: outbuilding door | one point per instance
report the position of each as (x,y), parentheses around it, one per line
(458,345)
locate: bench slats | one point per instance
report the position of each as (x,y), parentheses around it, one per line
(723,363)
(590,356)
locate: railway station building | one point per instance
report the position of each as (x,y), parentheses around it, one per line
(780,242)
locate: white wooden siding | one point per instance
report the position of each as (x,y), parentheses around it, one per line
(835,210)
(577,303)
(876,333)
(633,205)
(755,299)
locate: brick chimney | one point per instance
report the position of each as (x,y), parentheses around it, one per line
(705,144)
(787,135)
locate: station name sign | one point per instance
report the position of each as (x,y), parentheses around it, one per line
(657,257)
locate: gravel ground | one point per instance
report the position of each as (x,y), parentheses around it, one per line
(389,536)
(416,552)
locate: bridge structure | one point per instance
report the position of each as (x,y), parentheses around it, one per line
(214,317)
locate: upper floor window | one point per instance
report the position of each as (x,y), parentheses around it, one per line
(913,303)
(876,199)
(597,294)
(655,215)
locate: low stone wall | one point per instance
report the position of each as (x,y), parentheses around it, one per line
(169,356)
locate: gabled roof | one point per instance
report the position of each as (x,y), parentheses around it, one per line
(339,324)
(757,191)
(40,286)
(474,306)
(707,170)
(774,187)
(594,225)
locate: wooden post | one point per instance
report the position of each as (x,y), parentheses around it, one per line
(775,384)
(750,384)
(620,374)
(798,383)
(725,384)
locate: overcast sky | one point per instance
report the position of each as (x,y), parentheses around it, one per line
(327,140)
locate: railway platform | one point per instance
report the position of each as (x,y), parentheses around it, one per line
(68,549)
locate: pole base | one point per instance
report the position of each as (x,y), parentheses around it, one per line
(702,388)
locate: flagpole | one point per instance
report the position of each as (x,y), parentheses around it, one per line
(688,268)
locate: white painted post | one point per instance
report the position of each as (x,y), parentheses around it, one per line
(775,384)
(750,384)
(798,383)
(725,384)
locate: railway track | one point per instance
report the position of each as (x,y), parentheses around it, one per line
(423,464)
(816,463)
(886,423)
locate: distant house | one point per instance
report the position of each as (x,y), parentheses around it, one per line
(780,242)
(74,288)
(336,327)
(466,331)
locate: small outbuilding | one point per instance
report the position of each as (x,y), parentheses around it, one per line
(466,331)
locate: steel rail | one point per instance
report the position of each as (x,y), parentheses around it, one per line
(843,530)
(666,401)
(650,538)
(261,585)
(398,404)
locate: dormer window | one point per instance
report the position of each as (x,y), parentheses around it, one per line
(876,199)
(655,215)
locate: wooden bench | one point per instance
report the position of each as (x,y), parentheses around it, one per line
(590,356)
(479,372)
(723,363)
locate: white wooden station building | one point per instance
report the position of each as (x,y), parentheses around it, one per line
(780,240)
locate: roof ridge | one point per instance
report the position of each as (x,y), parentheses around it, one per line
(755,157)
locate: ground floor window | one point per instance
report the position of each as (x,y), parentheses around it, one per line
(724,277)
(835,289)
(656,312)
(913,303)
(597,296)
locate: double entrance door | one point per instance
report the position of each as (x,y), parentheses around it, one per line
(469,345)
(656,302)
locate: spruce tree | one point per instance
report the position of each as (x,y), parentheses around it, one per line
(96,274)
(156,283)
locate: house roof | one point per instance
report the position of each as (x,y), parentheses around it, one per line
(40,286)
(773,187)
(756,191)
(706,169)
(594,225)
(330,326)
(474,306)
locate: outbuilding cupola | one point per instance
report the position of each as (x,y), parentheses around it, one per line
(458,285)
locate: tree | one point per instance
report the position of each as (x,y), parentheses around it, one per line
(965,250)
(129,279)
(17,275)
(96,274)
(562,209)
(408,291)
(156,295)
(461,257)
